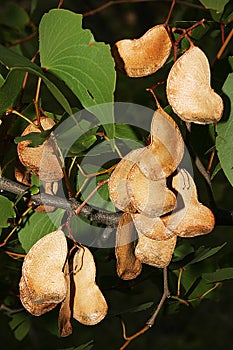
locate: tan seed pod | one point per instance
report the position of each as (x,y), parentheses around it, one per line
(42,279)
(143,56)
(42,159)
(64,324)
(189,91)
(128,266)
(89,304)
(152,198)
(36,309)
(152,227)
(166,150)
(153,252)
(118,181)
(21,174)
(190,218)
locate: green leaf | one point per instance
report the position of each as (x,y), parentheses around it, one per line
(15,17)
(10,89)
(205,253)
(36,138)
(216,170)
(6,212)
(219,275)
(87,346)
(224,130)
(20,63)
(20,325)
(141,307)
(86,66)
(2,80)
(37,226)
(217,5)
(130,132)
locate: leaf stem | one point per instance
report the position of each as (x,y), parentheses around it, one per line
(36,103)
(170,13)
(202,296)
(23,116)
(100,184)
(223,47)
(152,319)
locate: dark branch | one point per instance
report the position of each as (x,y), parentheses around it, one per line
(100,216)
(223,217)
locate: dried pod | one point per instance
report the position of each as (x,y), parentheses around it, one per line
(166,150)
(189,91)
(117,184)
(36,309)
(153,252)
(153,228)
(64,324)
(21,174)
(40,160)
(143,56)
(128,266)
(42,283)
(89,304)
(190,218)
(152,198)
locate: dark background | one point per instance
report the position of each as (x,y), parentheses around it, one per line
(205,325)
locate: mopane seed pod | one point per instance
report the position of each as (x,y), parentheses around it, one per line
(152,198)
(117,184)
(189,91)
(143,56)
(128,266)
(40,160)
(152,227)
(43,285)
(166,150)
(190,218)
(153,252)
(89,304)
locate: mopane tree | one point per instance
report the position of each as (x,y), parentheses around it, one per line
(116,174)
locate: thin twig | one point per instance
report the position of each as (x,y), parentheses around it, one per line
(170,13)
(80,208)
(13,111)
(9,310)
(27,38)
(118,2)
(223,47)
(166,294)
(151,320)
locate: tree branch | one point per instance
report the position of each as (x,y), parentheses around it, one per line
(100,216)
(223,217)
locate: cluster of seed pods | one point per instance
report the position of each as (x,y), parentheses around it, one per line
(50,275)
(42,161)
(159,210)
(139,184)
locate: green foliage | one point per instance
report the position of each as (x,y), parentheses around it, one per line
(20,325)
(219,275)
(7,211)
(20,63)
(10,88)
(85,65)
(37,226)
(224,130)
(217,5)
